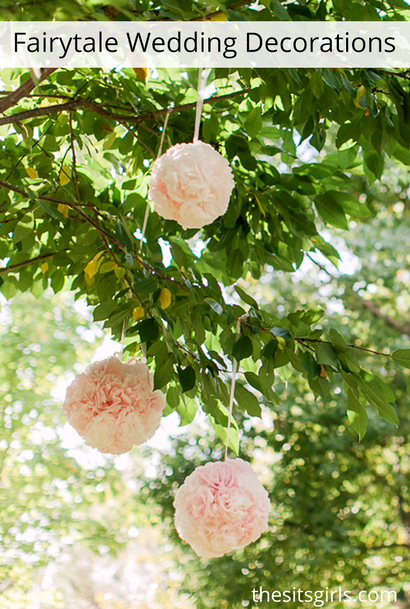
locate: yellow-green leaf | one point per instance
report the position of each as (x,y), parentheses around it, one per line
(89,280)
(165,298)
(360,92)
(141,73)
(63,209)
(218,16)
(32,173)
(119,272)
(108,266)
(138,313)
(281,341)
(92,267)
(64,176)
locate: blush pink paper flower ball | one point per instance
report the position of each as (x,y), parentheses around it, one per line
(112,405)
(221,507)
(192,184)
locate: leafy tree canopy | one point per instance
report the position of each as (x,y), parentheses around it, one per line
(77,148)
(341,506)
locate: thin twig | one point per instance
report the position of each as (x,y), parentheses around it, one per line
(87,104)
(24,89)
(327,342)
(36,143)
(152,153)
(75,178)
(19,265)
(100,230)
(125,278)
(316,340)
(321,267)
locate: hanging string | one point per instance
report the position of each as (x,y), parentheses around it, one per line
(202,80)
(124,324)
(161,143)
(232,393)
(142,359)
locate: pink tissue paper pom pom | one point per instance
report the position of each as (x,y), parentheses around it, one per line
(112,405)
(192,184)
(221,507)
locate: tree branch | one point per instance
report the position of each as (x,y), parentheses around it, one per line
(390,321)
(75,178)
(125,278)
(327,342)
(19,265)
(314,340)
(99,109)
(101,231)
(383,547)
(23,90)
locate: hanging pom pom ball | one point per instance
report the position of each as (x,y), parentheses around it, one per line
(192,184)
(113,406)
(221,507)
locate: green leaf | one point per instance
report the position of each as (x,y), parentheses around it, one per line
(187,378)
(313,316)
(242,348)
(9,287)
(163,371)
(351,381)
(221,432)
(54,213)
(294,359)
(269,350)
(247,401)
(374,162)
(198,326)
(235,263)
(279,10)
(254,121)
(377,398)
(123,235)
(173,397)
(254,380)
(331,211)
(356,414)
(325,354)
(179,255)
(215,306)
(319,386)
(21,232)
(349,131)
(349,361)
(186,409)
(338,342)
(347,85)
(266,377)
(245,297)
(145,286)
(331,79)
(310,364)
(104,310)
(148,330)
(349,204)
(281,332)
(402,357)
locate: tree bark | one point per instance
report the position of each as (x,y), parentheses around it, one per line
(23,90)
